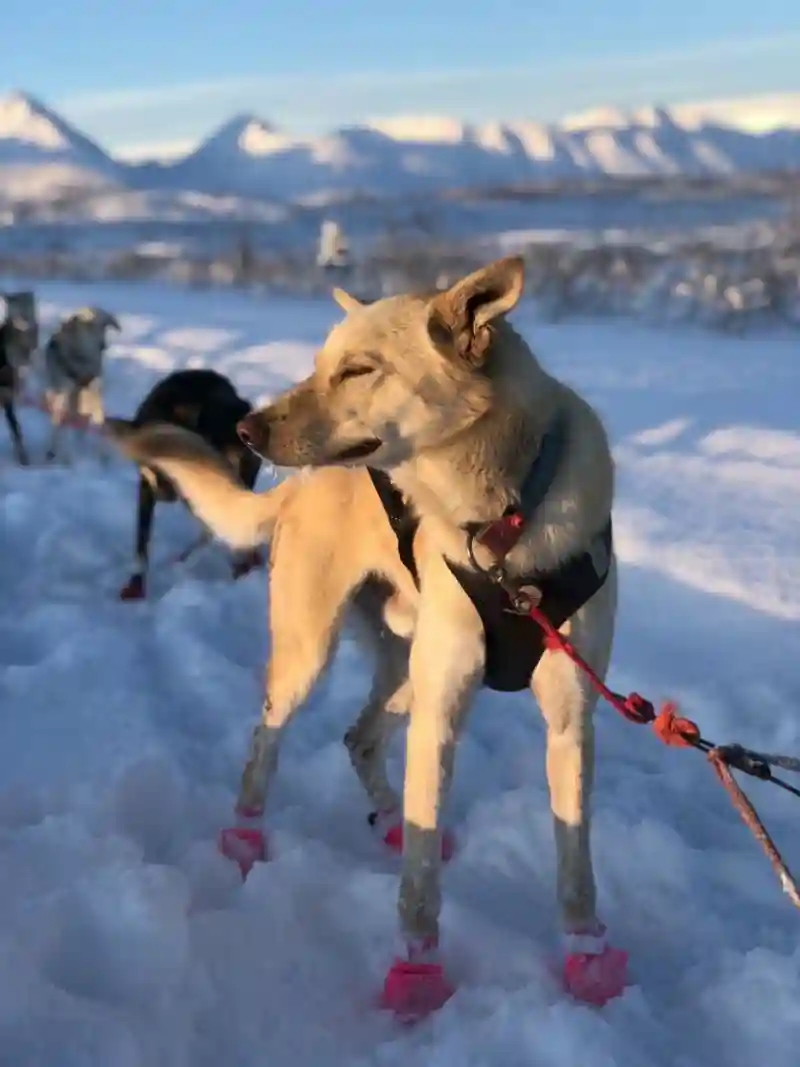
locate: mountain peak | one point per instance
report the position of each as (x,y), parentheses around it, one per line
(606,118)
(40,153)
(18,98)
(243,120)
(249,156)
(24,118)
(246,132)
(421,128)
(656,117)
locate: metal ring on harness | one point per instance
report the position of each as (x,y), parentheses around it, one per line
(521,597)
(496,572)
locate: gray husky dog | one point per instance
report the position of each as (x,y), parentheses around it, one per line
(73,372)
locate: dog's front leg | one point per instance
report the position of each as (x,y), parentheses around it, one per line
(136,586)
(16,434)
(62,406)
(594,972)
(92,414)
(567,703)
(446,667)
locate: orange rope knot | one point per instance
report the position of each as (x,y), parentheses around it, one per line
(673,730)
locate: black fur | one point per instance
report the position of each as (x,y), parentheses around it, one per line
(8,389)
(206,403)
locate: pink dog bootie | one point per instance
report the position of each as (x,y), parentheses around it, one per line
(244,843)
(417,986)
(134,588)
(594,972)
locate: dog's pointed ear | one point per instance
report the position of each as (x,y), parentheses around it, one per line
(113,322)
(345,301)
(462,315)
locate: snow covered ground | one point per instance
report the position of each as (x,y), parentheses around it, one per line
(127,942)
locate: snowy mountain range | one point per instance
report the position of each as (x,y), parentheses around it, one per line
(43,157)
(41,153)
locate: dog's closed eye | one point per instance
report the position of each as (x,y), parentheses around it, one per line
(355,370)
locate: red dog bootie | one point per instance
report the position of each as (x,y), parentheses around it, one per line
(134,588)
(594,972)
(416,987)
(389,825)
(244,843)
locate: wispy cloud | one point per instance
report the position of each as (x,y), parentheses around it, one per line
(158,119)
(120,100)
(117,101)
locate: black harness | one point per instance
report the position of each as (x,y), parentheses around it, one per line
(514,642)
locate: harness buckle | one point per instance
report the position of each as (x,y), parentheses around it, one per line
(521,597)
(524,597)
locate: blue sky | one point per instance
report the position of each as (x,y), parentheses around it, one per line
(164,72)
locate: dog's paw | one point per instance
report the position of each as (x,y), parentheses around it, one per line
(246,846)
(134,588)
(389,825)
(596,979)
(412,990)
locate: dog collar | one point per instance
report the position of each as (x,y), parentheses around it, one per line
(501,535)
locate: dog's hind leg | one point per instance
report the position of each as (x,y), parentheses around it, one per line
(368,737)
(16,433)
(306,602)
(135,587)
(387,708)
(594,972)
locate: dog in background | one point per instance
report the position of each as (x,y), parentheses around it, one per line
(428,419)
(21,307)
(73,372)
(18,337)
(206,405)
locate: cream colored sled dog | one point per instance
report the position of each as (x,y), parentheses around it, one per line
(440,392)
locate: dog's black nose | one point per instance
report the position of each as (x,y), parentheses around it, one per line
(253,431)
(244,431)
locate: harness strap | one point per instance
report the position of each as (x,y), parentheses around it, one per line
(514,645)
(498,536)
(402,520)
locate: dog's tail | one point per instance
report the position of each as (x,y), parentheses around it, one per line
(205,480)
